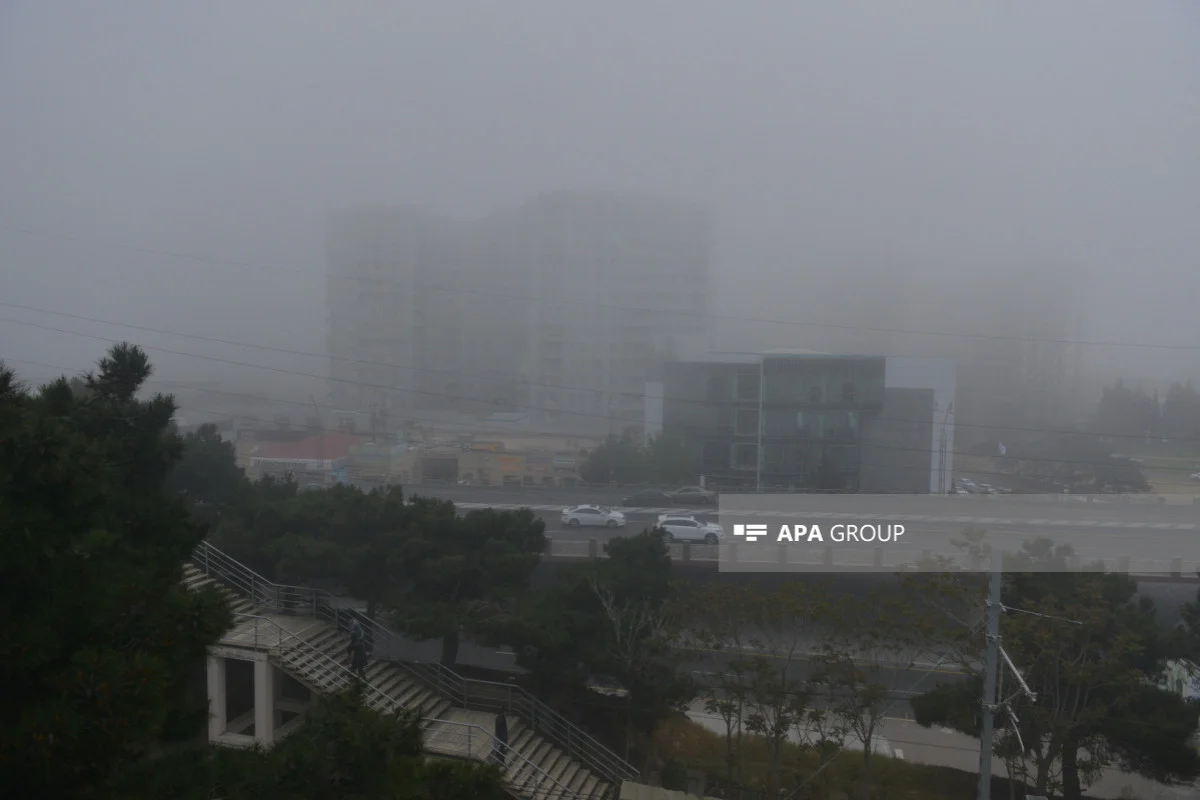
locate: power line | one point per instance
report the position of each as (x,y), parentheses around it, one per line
(893,448)
(562,387)
(588,303)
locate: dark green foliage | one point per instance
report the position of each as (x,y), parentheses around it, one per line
(675,775)
(1092,652)
(624,460)
(343,752)
(207,472)
(100,643)
(443,575)
(99,637)
(463,572)
(615,619)
(955,705)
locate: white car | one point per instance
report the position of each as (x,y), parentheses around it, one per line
(593,516)
(690,529)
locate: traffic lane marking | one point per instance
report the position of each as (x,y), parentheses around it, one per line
(1005,522)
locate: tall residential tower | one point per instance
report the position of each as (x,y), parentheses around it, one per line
(563,307)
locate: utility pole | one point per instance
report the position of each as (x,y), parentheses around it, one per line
(991,677)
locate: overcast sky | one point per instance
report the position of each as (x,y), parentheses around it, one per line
(900,136)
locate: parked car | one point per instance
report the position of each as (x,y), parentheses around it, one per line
(592,516)
(648,497)
(690,529)
(693,495)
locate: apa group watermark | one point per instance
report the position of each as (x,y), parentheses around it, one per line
(869,533)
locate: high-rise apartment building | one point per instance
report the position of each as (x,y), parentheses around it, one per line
(622,287)
(564,307)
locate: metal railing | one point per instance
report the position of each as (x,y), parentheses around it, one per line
(441,736)
(468,693)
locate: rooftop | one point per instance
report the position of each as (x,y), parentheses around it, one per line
(325,445)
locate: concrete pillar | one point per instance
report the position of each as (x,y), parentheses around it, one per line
(1176,567)
(216,698)
(276,699)
(264,702)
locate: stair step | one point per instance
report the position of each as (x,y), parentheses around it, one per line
(593,787)
(566,774)
(539,770)
(530,772)
(549,768)
(579,779)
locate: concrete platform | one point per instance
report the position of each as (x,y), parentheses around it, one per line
(452,735)
(268,631)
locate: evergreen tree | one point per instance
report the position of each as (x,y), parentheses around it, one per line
(99,638)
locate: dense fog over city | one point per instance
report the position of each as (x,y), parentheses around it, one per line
(573,400)
(851,154)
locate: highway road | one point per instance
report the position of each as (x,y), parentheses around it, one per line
(1168,596)
(1155,538)
(1134,511)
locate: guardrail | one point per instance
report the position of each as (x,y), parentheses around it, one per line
(788,557)
(469,693)
(445,737)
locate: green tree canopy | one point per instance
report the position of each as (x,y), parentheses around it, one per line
(207,471)
(1093,653)
(624,460)
(461,572)
(344,751)
(99,637)
(613,620)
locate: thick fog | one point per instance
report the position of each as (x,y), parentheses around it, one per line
(171,165)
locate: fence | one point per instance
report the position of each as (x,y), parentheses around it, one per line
(468,693)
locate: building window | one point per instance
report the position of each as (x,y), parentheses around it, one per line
(719,388)
(847,392)
(814,395)
(714,456)
(745,456)
(774,458)
(747,422)
(748,387)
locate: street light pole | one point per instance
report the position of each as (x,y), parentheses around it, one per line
(944,487)
(612,451)
(758,446)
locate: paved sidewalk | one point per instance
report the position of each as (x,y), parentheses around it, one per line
(905,739)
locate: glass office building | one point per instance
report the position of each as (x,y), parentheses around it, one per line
(812,414)
(787,421)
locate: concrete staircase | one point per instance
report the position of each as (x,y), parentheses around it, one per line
(315,653)
(309,642)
